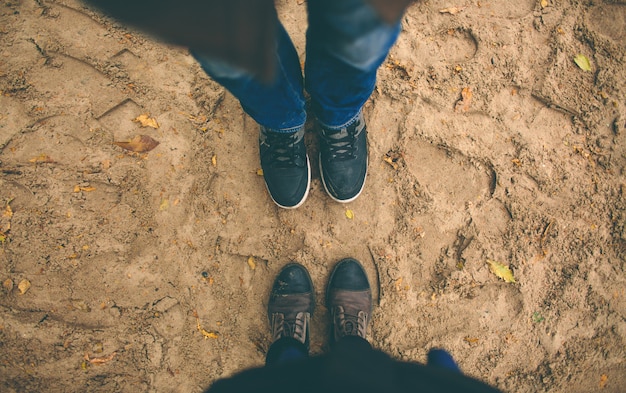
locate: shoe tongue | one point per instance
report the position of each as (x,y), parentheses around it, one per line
(337,134)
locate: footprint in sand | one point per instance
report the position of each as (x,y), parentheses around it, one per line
(78,34)
(75,84)
(450,178)
(444,47)
(610,21)
(497,9)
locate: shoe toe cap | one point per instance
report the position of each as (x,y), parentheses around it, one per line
(349,275)
(293,279)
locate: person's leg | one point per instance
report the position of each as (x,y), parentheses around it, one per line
(346,43)
(289,312)
(279,108)
(278,105)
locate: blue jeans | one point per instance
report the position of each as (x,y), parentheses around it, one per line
(346,43)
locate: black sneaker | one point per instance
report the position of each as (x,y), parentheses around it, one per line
(349,300)
(286,167)
(291,304)
(343,160)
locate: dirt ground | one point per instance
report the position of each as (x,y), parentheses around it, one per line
(150,272)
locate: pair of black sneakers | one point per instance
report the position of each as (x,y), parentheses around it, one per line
(287,171)
(348,299)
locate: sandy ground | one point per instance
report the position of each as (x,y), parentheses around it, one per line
(149,272)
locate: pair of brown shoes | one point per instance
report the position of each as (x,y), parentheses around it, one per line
(348,298)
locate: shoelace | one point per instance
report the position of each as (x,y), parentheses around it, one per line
(340,147)
(350,325)
(282,150)
(290,328)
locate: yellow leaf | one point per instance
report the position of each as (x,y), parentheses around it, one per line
(42,158)
(214,160)
(603,380)
(8,285)
(471,340)
(146,121)
(259,172)
(165,204)
(23,286)
(251,262)
(209,334)
(85,189)
(139,144)
(350,214)
(582,62)
(5,221)
(205,333)
(8,212)
(391,161)
(544,3)
(500,270)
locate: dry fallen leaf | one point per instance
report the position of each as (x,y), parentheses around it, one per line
(500,270)
(350,214)
(214,160)
(391,162)
(259,172)
(80,305)
(544,3)
(471,340)
(209,334)
(139,144)
(603,380)
(392,158)
(101,359)
(8,285)
(165,204)
(85,189)
(451,10)
(205,333)
(146,121)
(251,262)
(23,286)
(463,105)
(8,212)
(5,221)
(42,158)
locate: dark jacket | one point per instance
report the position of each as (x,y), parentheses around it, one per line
(350,367)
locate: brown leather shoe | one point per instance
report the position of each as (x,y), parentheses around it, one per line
(291,304)
(349,299)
